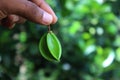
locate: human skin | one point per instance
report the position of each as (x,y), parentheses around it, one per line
(17,11)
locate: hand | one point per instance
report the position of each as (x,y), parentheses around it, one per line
(16,11)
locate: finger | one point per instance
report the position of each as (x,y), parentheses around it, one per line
(16,19)
(2,15)
(21,20)
(30,11)
(42,4)
(9,21)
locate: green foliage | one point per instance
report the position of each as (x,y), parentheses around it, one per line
(89,33)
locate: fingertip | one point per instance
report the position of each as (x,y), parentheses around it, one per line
(55,19)
(44,6)
(46,19)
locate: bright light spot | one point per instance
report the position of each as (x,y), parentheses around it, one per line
(90,49)
(23,69)
(92,30)
(100,1)
(69,5)
(100,31)
(16,36)
(66,66)
(109,59)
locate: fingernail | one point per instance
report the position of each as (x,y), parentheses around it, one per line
(47,19)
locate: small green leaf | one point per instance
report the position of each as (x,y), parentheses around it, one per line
(44,49)
(50,47)
(54,45)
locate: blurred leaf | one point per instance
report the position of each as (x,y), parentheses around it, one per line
(109,16)
(112,29)
(5,37)
(90,49)
(23,37)
(108,61)
(75,27)
(99,50)
(118,54)
(117,40)
(69,5)
(86,36)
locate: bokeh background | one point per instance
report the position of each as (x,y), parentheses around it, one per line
(89,31)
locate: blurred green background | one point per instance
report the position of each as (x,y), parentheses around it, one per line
(89,31)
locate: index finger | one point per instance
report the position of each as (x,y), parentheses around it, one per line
(42,4)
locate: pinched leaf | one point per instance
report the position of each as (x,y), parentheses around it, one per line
(44,49)
(54,45)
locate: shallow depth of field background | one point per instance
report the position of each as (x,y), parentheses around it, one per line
(89,31)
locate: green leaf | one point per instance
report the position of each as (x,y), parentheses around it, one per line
(50,47)
(44,49)
(54,45)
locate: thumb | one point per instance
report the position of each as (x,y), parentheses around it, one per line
(30,11)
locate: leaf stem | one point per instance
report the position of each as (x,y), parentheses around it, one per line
(48,28)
